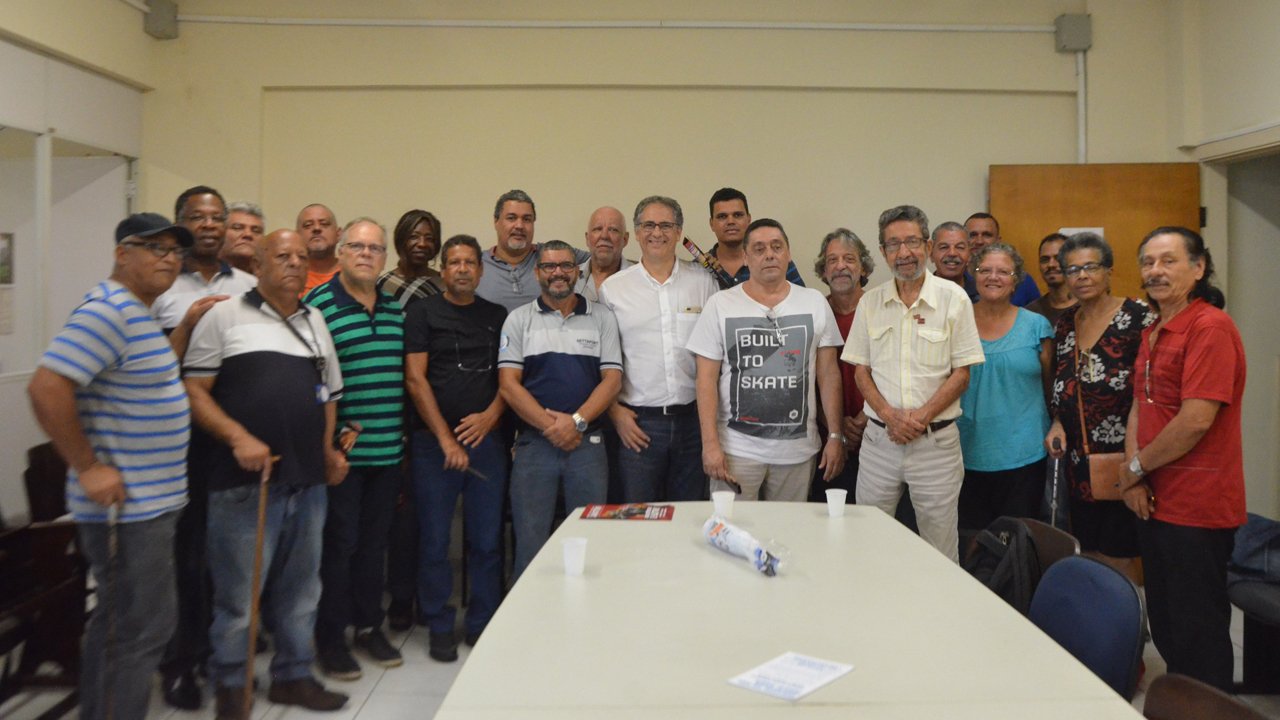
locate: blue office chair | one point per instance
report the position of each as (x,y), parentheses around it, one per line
(1096,614)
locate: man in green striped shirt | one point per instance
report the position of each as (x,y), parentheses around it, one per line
(368,330)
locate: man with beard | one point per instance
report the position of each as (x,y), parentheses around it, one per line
(844,265)
(559,368)
(656,304)
(913,341)
(245,226)
(729,220)
(263,377)
(606,237)
(950,253)
(206,280)
(1055,302)
(319,229)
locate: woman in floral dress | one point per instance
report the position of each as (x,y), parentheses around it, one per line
(1096,345)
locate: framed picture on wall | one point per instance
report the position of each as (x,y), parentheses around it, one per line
(6,258)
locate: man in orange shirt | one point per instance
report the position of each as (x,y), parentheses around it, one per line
(319,228)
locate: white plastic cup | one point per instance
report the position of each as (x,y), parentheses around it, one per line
(835,502)
(723,500)
(575,555)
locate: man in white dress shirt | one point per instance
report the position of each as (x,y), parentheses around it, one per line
(657,302)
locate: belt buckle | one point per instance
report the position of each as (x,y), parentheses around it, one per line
(668,410)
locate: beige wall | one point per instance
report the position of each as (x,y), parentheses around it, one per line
(820,128)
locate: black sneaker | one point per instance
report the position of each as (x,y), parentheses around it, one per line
(473,638)
(337,663)
(375,645)
(443,647)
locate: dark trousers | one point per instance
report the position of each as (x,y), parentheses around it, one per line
(985,496)
(670,469)
(1187,605)
(356,532)
(402,552)
(188,648)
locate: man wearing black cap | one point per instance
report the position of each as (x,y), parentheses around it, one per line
(108,393)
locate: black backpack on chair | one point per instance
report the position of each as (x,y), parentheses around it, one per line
(1004,559)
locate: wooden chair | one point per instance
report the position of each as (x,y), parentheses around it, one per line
(1178,697)
(1052,544)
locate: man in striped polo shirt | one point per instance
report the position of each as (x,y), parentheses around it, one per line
(108,393)
(368,331)
(559,369)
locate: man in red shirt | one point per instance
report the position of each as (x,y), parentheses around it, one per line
(1185,474)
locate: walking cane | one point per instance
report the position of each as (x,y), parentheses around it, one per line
(253,589)
(109,604)
(1057,473)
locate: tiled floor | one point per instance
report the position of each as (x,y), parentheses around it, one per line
(413,690)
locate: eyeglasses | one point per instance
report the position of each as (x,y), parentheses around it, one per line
(199,219)
(649,226)
(772,317)
(358,248)
(156,248)
(565,266)
(1087,268)
(988,272)
(892,246)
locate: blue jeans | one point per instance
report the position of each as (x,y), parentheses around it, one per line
(352,565)
(670,469)
(290,584)
(435,492)
(141,599)
(536,475)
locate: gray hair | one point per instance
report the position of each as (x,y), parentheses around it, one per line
(346,229)
(1086,241)
(661,200)
(1019,270)
(519,196)
(910,213)
(949,226)
(248,208)
(849,238)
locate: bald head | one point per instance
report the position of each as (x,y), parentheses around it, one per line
(282,263)
(606,237)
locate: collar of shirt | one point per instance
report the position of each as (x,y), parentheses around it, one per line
(254,298)
(1179,323)
(582,307)
(342,298)
(928,293)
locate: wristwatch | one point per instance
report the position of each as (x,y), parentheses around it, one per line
(579,423)
(1135,467)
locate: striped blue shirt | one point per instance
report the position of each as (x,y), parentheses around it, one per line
(130,399)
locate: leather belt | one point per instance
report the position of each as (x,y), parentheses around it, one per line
(933,426)
(661,410)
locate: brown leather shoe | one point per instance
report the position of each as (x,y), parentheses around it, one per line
(305,693)
(230,702)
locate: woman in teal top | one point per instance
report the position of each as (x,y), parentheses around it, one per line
(1004,416)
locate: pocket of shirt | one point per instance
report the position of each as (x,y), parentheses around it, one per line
(684,327)
(881,343)
(933,347)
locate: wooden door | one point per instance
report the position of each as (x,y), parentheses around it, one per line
(1126,200)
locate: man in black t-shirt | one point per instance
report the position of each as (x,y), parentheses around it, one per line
(451,359)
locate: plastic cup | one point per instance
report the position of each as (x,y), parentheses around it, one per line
(723,500)
(575,555)
(835,502)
